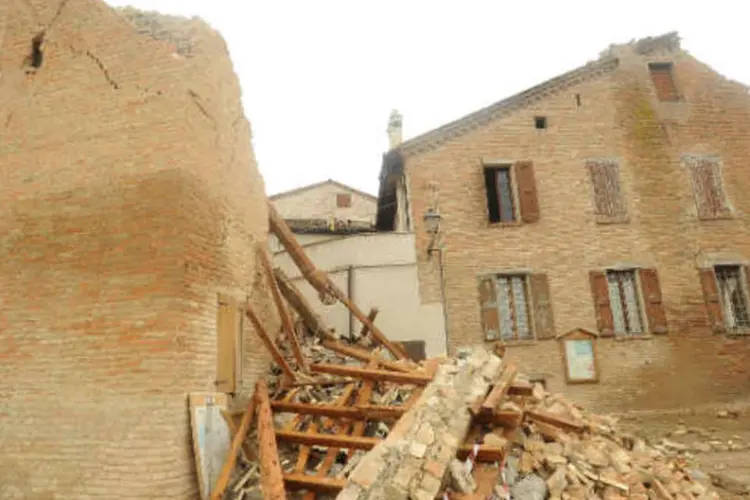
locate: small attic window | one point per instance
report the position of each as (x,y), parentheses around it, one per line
(343,200)
(662,77)
(540,122)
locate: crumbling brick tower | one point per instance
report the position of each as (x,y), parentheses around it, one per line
(130,199)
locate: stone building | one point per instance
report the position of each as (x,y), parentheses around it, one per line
(130,203)
(610,198)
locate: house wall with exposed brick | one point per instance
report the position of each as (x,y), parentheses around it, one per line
(320,202)
(131,198)
(610,112)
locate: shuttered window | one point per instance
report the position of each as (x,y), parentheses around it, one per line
(733,297)
(228,344)
(710,199)
(662,78)
(507,312)
(511,193)
(618,295)
(609,201)
(623,296)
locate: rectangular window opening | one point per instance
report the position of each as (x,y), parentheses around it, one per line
(733,297)
(500,202)
(540,122)
(661,76)
(343,200)
(625,302)
(513,306)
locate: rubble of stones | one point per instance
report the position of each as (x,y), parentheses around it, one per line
(542,462)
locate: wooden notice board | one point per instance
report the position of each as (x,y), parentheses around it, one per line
(579,356)
(211,437)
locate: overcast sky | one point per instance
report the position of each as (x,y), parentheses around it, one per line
(320,77)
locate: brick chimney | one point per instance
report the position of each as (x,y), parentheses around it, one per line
(395,130)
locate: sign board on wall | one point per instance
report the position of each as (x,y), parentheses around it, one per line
(579,356)
(211,437)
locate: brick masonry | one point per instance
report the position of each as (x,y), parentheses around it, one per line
(412,461)
(619,116)
(130,199)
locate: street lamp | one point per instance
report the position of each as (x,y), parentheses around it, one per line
(432,221)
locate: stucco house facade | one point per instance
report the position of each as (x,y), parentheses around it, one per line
(611,198)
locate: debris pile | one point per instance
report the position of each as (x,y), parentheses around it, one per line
(354,419)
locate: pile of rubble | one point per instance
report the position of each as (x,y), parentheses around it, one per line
(355,419)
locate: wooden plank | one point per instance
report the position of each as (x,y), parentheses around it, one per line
(299,303)
(371,316)
(370,374)
(498,392)
(521,389)
(321,382)
(297,481)
(358,412)
(270,345)
(486,453)
(364,396)
(555,420)
(271,475)
(233,429)
(320,280)
(363,355)
(286,319)
(304,450)
(239,438)
(318,439)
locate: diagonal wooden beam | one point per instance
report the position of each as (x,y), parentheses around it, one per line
(270,345)
(239,438)
(286,320)
(320,280)
(370,374)
(363,355)
(498,392)
(299,303)
(233,429)
(371,316)
(271,477)
(555,420)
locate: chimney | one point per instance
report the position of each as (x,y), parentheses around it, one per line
(395,130)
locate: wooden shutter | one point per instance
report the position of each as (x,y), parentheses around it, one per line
(544,322)
(711,296)
(227,331)
(527,195)
(605,322)
(490,314)
(657,318)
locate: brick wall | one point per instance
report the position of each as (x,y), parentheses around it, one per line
(131,198)
(606,114)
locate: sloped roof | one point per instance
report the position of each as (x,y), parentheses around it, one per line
(607,62)
(339,185)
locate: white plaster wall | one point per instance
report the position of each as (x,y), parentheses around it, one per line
(384,274)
